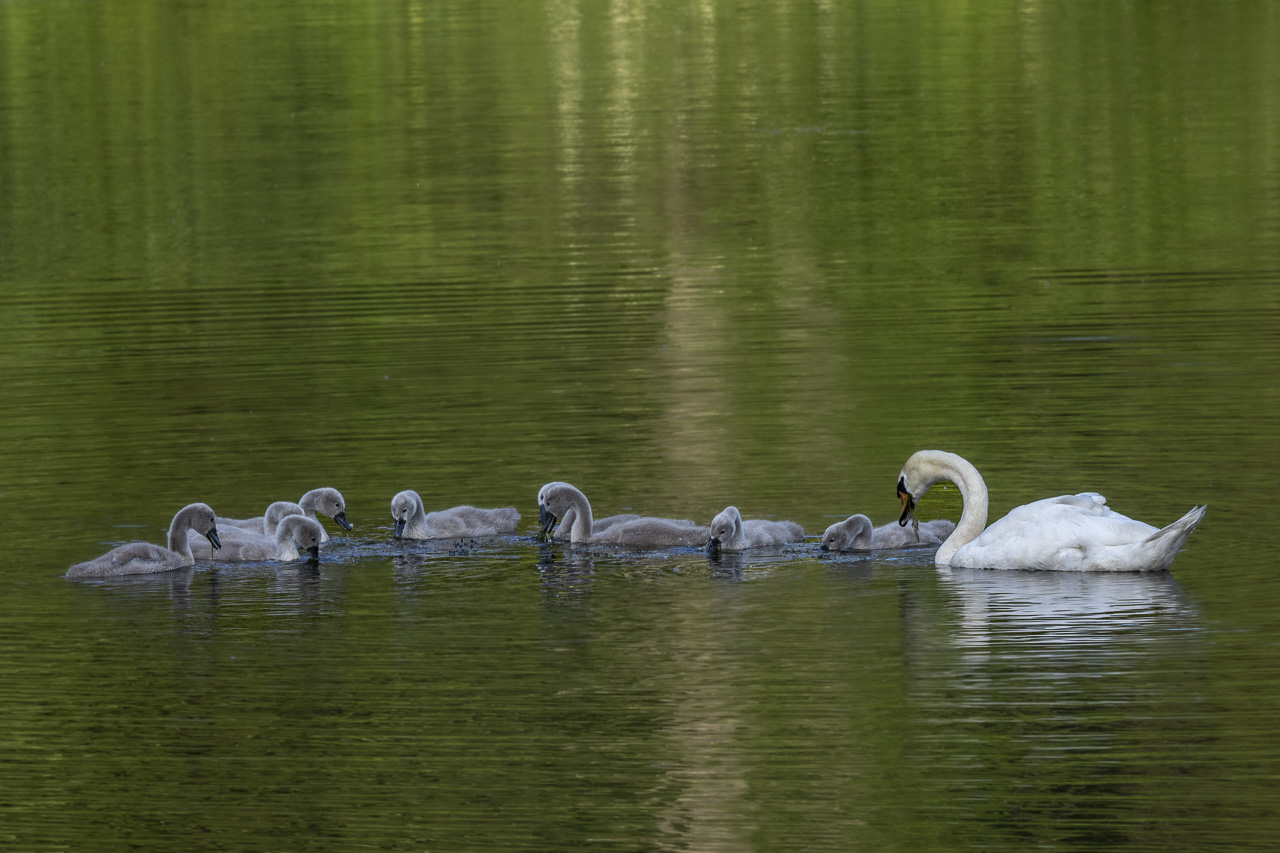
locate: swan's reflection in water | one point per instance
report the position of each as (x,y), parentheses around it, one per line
(1054,702)
(1073,609)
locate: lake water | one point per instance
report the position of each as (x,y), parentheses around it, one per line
(682,256)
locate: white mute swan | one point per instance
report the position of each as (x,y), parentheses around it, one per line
(140,558)
(1074,533)
(414,522)
(294,534)
(324,501)
(730,533)
(558,500)
(856,533)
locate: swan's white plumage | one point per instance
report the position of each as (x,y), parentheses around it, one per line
(730,533)
(412,521)
(558,501)
(856,533)
(138,558)
(1066,533)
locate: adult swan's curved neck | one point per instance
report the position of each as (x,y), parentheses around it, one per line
(926,467)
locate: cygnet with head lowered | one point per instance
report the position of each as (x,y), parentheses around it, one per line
(412,521)
(276,513)
(295,535)
(559,531)
(559,500)
(324,501)
(856,533)
(730,533)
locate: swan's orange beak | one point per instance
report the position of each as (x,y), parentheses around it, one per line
(908,502)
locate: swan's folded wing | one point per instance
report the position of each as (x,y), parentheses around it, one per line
(1091,501)
(1064,523)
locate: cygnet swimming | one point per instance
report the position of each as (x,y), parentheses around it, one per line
(730,533)
(138,558)
(566,522)
(855,533)
(324,501)
(598,525)
(295,534)
(232,536)
(557,500)
(414,522)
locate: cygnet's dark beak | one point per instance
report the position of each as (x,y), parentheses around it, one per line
(399,532)
(212,536)
(823,547)
(713,546)
(908,502)
(313,554)
(341,518)
(546,522)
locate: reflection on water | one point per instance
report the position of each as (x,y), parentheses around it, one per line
(682,256)
(565,571)
(1071,608)
(1071,674)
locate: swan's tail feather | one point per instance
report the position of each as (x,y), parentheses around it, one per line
(1167,540)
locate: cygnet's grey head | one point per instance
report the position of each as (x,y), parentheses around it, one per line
(304,532)
(852,533)
(202,519)
(328,502)
(403,507)
(553,503)
(279,511)
(724,527)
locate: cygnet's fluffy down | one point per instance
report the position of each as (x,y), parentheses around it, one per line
(237,539)
(855,533)
(730,533)
(557,501)
(598,525)
(295,535)
(278,512)
(414,522)
(324,501)
(231,541)
(138,558)
(566,522)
